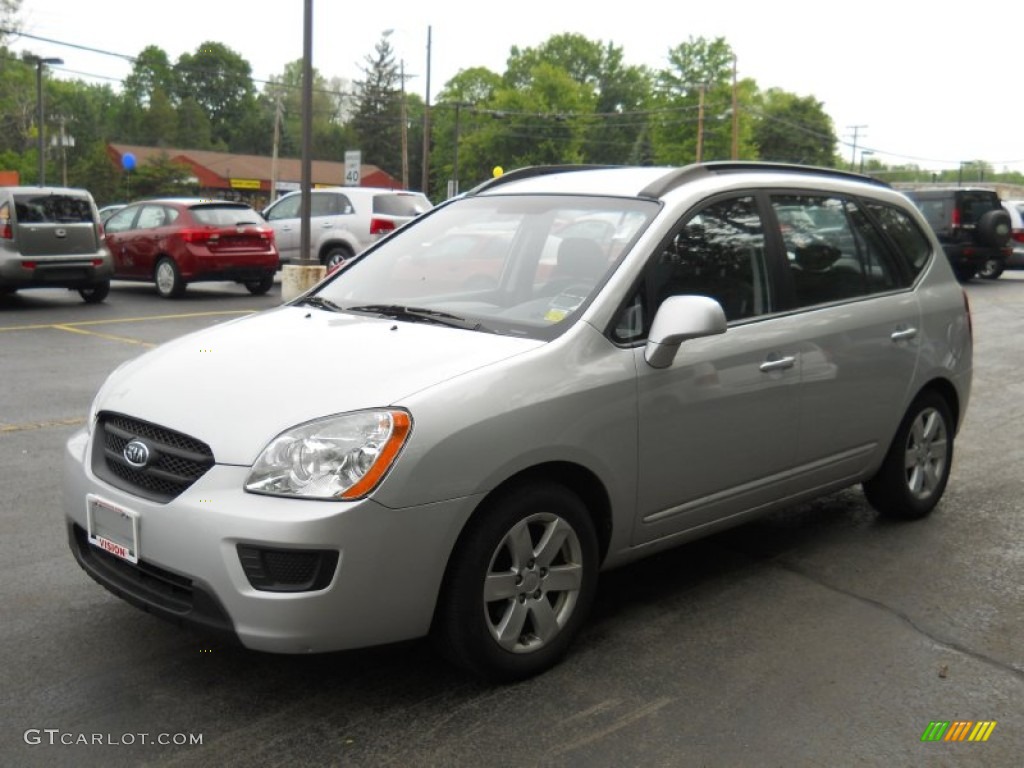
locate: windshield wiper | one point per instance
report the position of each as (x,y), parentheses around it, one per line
(319,302)
(417,314)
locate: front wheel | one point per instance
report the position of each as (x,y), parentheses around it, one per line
(519,584)
(913,475)
(95,293)
(168,280)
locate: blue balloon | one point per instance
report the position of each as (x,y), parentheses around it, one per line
(128,161)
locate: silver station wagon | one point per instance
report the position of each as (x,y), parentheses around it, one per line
(559,372)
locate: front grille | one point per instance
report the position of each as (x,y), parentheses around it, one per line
(288,570)
(175,459)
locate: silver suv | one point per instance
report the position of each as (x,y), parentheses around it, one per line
(560,372)
(343,220)
(51,237)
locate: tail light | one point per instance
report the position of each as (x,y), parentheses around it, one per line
(381,226)
(28,264)
(1018,235)
(6,233)
(956,217)
(199,236)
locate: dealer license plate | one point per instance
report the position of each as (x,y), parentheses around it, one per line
(113,529)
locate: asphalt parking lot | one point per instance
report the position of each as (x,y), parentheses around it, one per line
(821,636)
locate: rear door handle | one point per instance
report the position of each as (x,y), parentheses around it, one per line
(779,364)
(903,334)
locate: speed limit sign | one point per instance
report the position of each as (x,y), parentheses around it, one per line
(353,161)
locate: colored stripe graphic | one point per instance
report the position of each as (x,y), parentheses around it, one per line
(958,730)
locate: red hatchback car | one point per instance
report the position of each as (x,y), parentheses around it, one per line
(174,242)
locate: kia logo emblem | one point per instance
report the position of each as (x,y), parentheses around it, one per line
(136,453)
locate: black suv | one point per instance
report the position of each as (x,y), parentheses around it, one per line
(972,226)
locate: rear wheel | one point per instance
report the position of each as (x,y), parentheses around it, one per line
(913,476)
(992,269)
(261,286)
(95,293)
(519,584)
(169,283)
(336,256)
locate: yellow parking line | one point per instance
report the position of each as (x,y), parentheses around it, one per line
(75,422)
(108,336)
(113,321)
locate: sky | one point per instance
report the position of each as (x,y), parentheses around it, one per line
(916,83)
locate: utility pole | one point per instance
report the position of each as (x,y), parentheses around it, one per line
(405,130)
(425,184)
(278,114)
(856,133)
(735,114)
(700,123)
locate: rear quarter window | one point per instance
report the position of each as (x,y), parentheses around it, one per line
(913,248)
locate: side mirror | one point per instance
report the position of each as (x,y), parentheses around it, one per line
(680,318)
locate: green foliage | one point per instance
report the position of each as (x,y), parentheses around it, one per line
(161,176)
(378,110)
(794,129)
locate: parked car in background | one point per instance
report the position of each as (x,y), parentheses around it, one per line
(173,242)
(1016,210)
(507,401)
(972,226)
(109,210)
(52,237)
(343,220)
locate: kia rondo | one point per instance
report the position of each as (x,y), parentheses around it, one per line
(473,440)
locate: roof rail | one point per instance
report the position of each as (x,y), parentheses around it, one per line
(531,171)
(686,173)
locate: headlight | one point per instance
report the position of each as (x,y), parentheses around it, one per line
(340,457)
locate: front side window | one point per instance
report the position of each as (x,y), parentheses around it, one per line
(121,221)
(718,252)
(152,216)
(509,264)
(287,208)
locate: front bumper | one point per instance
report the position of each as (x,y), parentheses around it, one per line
(383,587)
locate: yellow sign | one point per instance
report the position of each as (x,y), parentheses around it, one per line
(245,183)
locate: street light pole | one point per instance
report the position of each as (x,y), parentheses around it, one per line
(40,63)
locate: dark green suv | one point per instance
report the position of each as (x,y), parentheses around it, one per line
(972,226)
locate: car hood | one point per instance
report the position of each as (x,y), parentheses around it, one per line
(236,386)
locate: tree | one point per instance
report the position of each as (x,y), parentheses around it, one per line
(151,71)
(377,119)
(794,129)
(220,81)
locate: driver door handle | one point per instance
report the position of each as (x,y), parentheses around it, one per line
(779,364)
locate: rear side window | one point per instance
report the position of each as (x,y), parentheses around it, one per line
(224,215)
(833,251)
(400,205)
(52,209)
(913,248)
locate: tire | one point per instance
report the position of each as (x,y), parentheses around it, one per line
(510,606)
(994,228)
(913,475)
(335,256)
(261,286)
(992,269)
(168,280)
(95,293)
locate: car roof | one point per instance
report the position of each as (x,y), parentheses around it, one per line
(191,201)
(650,182)
(35,190)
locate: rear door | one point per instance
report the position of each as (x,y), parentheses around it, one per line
(55,224)
(859,338)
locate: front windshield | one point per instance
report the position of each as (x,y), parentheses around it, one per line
(513,264)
